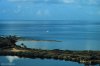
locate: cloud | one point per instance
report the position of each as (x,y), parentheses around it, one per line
(18,9)
(68,1)
(79,2)
(99,12)
(44,1)
(17,0)
(3,11)
(92,2)
(43,12)
(39,12)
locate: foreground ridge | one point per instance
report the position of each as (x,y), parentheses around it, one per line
(84,57)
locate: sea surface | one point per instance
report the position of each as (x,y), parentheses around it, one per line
(74,35)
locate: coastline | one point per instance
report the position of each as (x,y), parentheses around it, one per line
(8,47)
(84,57)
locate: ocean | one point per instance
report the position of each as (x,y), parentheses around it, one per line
(73,34)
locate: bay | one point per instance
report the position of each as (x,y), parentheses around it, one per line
(74,35)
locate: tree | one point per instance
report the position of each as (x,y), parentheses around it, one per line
(7,41)
(24,46)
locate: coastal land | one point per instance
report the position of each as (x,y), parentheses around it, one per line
(8,47)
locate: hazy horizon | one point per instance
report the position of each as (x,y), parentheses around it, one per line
(50,10)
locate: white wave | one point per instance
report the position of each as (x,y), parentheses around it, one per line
(11,58)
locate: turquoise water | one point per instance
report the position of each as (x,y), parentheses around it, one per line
(75,35)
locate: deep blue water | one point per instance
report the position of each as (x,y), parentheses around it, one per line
(75,35)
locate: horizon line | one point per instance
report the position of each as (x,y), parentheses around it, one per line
(44,20)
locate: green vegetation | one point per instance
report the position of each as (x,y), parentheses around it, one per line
(10,48)
(7,41)
(85,57)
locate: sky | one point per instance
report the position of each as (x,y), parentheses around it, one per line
(50,10)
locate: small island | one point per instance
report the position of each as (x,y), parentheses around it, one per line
(8,47)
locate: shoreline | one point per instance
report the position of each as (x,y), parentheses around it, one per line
(83,57)
(8,47)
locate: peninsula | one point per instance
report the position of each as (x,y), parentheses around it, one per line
(8,47)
